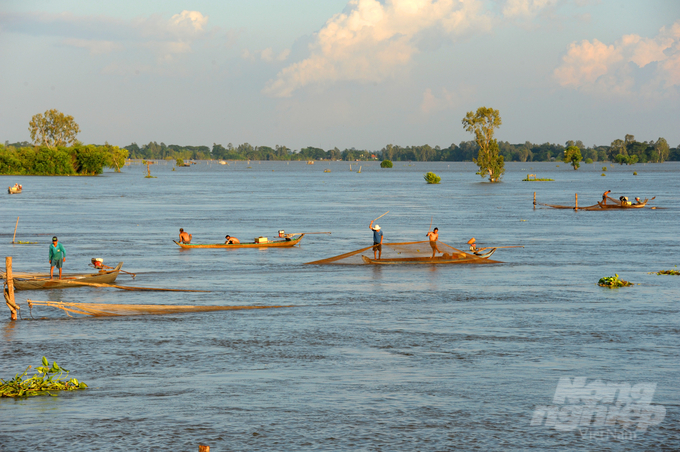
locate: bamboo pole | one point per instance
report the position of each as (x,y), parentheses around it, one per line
(534,200)
(15,230)
(576,197)
(382,216)
(9,292)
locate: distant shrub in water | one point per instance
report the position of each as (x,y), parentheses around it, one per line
(432,178)
(634,173)
(589,160)
(604,168)
(386,164)
(179,162)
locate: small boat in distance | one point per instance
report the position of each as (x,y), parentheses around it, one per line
(287,242)
(102,277)
(14,190)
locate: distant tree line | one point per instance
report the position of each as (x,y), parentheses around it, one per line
(48,161)
(465,151)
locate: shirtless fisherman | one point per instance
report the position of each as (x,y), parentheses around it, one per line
(184,237)
(434,236)
(229,240)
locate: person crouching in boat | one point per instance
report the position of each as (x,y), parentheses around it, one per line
(229,240)
(637,201)
(184,237)
(624,200)
(377,240)
(473,245)
(604,197)
(433,236)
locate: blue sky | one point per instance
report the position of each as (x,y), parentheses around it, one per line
(350,73)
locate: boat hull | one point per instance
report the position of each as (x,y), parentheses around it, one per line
(67,282)
(430,261)
(273,244)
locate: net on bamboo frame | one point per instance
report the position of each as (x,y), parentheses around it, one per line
(110,310)
(406,252)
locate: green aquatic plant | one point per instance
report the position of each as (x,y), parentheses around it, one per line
(634,173)
(613,282)
(604,168)
(386,164)
(666,272)
(47,378)
(589,160)
(533,178)
(432,178)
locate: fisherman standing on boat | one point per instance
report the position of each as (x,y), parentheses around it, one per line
(57,256)
(604,197)
(377,240)
(184,237)
(434,235)
(229,240)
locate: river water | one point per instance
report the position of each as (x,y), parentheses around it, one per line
(367,358)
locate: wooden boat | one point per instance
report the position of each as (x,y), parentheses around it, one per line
(271,244)
(618,205)
(103,277)
(13,190)
(467,259)
(611,204)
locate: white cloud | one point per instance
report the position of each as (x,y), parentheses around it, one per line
(446,101)
(95,47)
(371,40)
(525,8)
(595,65)
(268,55)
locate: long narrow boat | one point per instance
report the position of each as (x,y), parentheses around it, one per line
(103,277)
(601,205)
(272,244)
(467,259)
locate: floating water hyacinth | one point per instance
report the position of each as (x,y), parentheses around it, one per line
(47,378)
(613,282)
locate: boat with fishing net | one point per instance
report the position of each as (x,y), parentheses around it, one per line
(410,253)
(611,203)
(39,282)
(258,242)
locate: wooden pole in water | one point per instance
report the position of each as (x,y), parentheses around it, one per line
(534,200)
(15,230)
(203,448)
(9,292)
(576,197)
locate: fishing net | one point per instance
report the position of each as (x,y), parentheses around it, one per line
(407,252)
(110,310)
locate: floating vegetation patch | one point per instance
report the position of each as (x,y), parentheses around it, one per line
(613,282)
(666,272)
(47,379)
(432,178)
(533,178)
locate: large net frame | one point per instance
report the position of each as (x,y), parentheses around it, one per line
(408,252)
(114,310)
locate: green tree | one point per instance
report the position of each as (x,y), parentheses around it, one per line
(482,124)
(53,129)
(117,156)
(573,155)
(386,164)
(661,151)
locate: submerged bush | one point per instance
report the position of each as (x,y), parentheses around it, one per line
(432,178)
(386,164)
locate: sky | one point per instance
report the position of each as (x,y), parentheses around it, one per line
(342,73)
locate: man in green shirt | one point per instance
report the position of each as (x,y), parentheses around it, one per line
(57,256)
